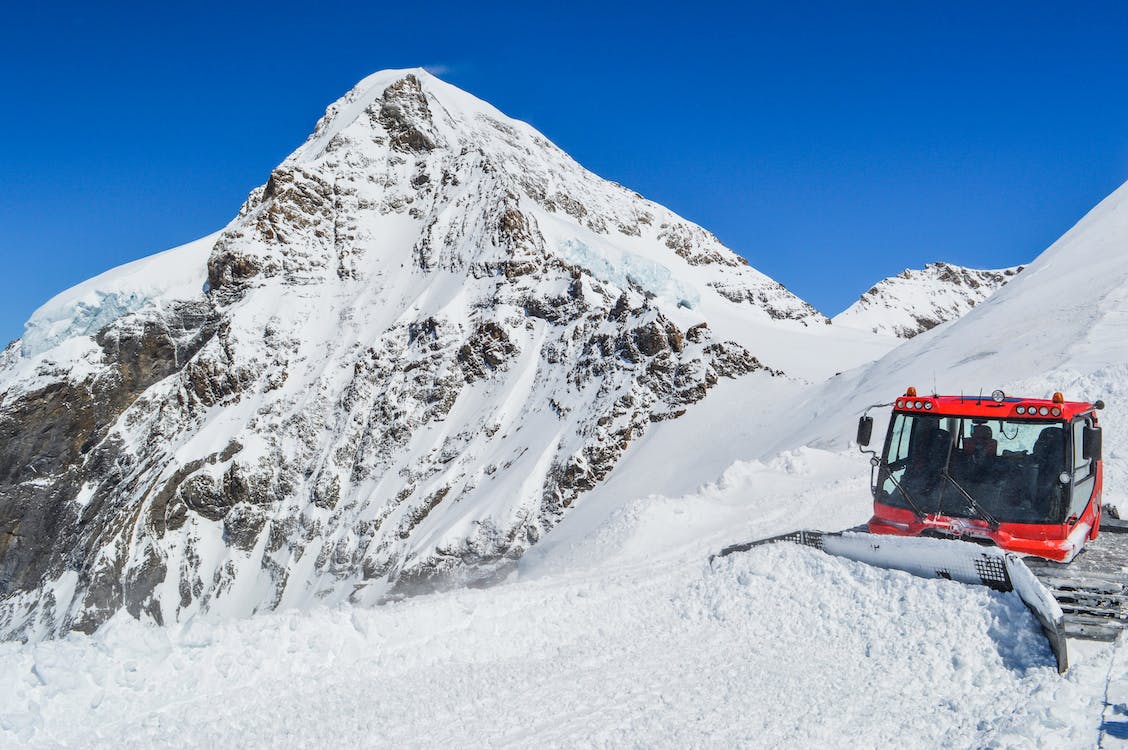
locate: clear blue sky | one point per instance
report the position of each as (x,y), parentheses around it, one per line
(832,146)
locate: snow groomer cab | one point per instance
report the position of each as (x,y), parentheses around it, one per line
(1021,473)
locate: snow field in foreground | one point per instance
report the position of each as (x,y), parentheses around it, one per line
(623,637)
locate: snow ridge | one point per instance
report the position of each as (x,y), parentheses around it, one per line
(917,300)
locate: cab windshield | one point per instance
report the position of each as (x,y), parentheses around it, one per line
(996,469)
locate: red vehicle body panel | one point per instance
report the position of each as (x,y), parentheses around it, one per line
(1060,542)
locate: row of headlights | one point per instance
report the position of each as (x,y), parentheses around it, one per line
(909,404)
(1041,411)
(1033,411)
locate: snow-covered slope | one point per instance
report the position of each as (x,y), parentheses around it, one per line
(419,343)
(1060,325)
(916,300)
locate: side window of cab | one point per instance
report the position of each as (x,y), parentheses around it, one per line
(1082,467)
(1083,470)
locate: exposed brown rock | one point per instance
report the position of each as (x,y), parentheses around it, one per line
(403,109)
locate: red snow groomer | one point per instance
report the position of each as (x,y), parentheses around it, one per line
(1018,478)
(1022,473)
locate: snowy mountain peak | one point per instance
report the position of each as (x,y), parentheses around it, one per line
(398,100)
(423,339)
(407,144)
(916,300)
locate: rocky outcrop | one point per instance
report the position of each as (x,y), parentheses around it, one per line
(404,114)
(63,464)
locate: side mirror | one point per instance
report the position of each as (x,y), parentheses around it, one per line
(865,430)
(1092,445)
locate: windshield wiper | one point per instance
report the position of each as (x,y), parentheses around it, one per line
(994,524)
(904,493)
(979,509)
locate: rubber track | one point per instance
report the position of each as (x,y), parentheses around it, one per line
(1092,590)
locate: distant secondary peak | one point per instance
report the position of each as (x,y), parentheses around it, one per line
(917,300)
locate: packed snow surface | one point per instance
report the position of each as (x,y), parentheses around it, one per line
(617,635)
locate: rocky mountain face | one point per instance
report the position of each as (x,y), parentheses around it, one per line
(420,342)
(919,299)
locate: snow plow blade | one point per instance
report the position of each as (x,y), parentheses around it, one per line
(940,558)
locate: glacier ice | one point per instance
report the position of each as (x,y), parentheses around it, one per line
(82,317)
(83,310)
(629,271)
